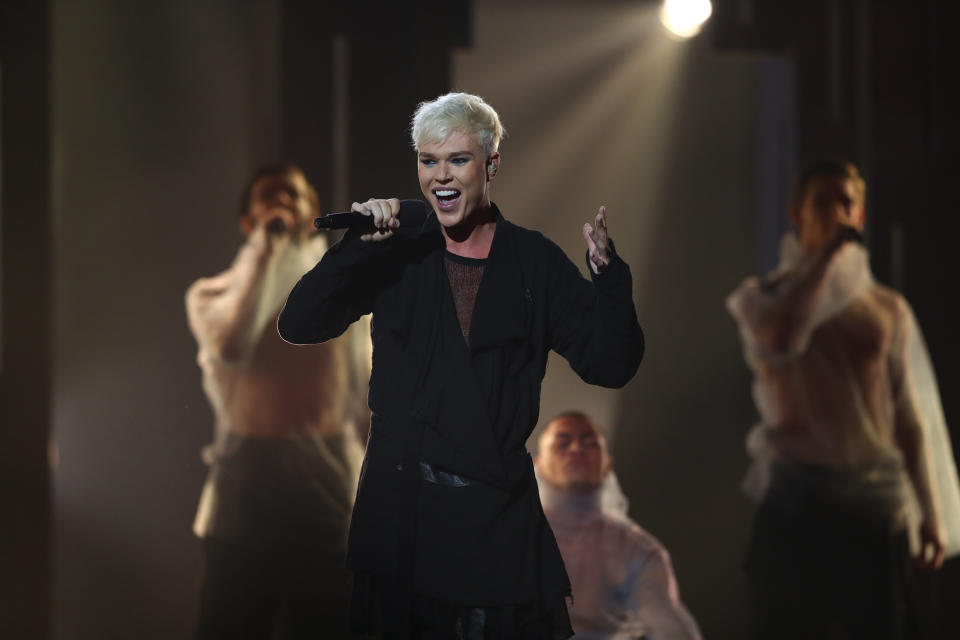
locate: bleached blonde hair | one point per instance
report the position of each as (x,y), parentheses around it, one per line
(435,120)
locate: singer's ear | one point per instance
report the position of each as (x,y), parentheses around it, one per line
(493,165)
(246,224)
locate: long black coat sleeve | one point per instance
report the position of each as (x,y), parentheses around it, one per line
(336,292)
(594,325)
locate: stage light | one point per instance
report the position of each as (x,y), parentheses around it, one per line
(685,18)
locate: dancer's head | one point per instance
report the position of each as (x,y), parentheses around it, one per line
(572,453)
(279,191)
(825,196)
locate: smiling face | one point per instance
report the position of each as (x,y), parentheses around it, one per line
(455,178)
(573,454)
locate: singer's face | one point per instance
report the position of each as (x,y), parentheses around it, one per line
(453,178)
(283,197)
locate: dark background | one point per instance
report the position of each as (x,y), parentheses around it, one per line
(128,130)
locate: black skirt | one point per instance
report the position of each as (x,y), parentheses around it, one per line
(821,569)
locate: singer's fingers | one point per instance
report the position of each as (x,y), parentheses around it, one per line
(600,237)
(383,214)
(371,207)
(596,239)
(601,223)
(376,236)
(360,208)
(368,208)
(383,211)
(387,211)
(588,237)
(394,205)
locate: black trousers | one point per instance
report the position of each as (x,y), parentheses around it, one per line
(280,590)
(817,572)
(387,609)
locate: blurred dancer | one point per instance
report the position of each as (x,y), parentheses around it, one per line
(275,509)
(852,458)
(623,581)
(448,539)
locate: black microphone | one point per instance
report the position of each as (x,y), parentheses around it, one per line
(412,214)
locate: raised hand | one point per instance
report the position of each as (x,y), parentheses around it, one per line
(272,231)
(597,241)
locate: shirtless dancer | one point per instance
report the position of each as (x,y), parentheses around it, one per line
(851,460)
(274,512)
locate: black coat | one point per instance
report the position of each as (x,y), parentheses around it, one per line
(468,529)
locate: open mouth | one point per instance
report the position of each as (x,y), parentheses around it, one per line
(447,199)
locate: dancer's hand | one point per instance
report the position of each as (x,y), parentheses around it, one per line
(597,242)
(843,235)
(384,214)
(932,549)
(270,233)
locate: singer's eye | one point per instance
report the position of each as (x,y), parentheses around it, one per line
(459,161)
(428,162)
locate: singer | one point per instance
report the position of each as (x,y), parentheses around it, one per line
(448,538)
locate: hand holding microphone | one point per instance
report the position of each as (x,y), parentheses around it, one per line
(383,214)
(380,217)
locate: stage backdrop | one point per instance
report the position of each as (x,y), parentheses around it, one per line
(690,151)
(159,112)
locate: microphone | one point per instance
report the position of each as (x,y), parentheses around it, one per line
(412,214)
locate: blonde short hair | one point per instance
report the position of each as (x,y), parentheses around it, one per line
(435,120)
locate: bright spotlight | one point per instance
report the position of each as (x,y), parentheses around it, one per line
(685,18)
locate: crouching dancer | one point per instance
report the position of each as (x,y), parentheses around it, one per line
(624,586)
